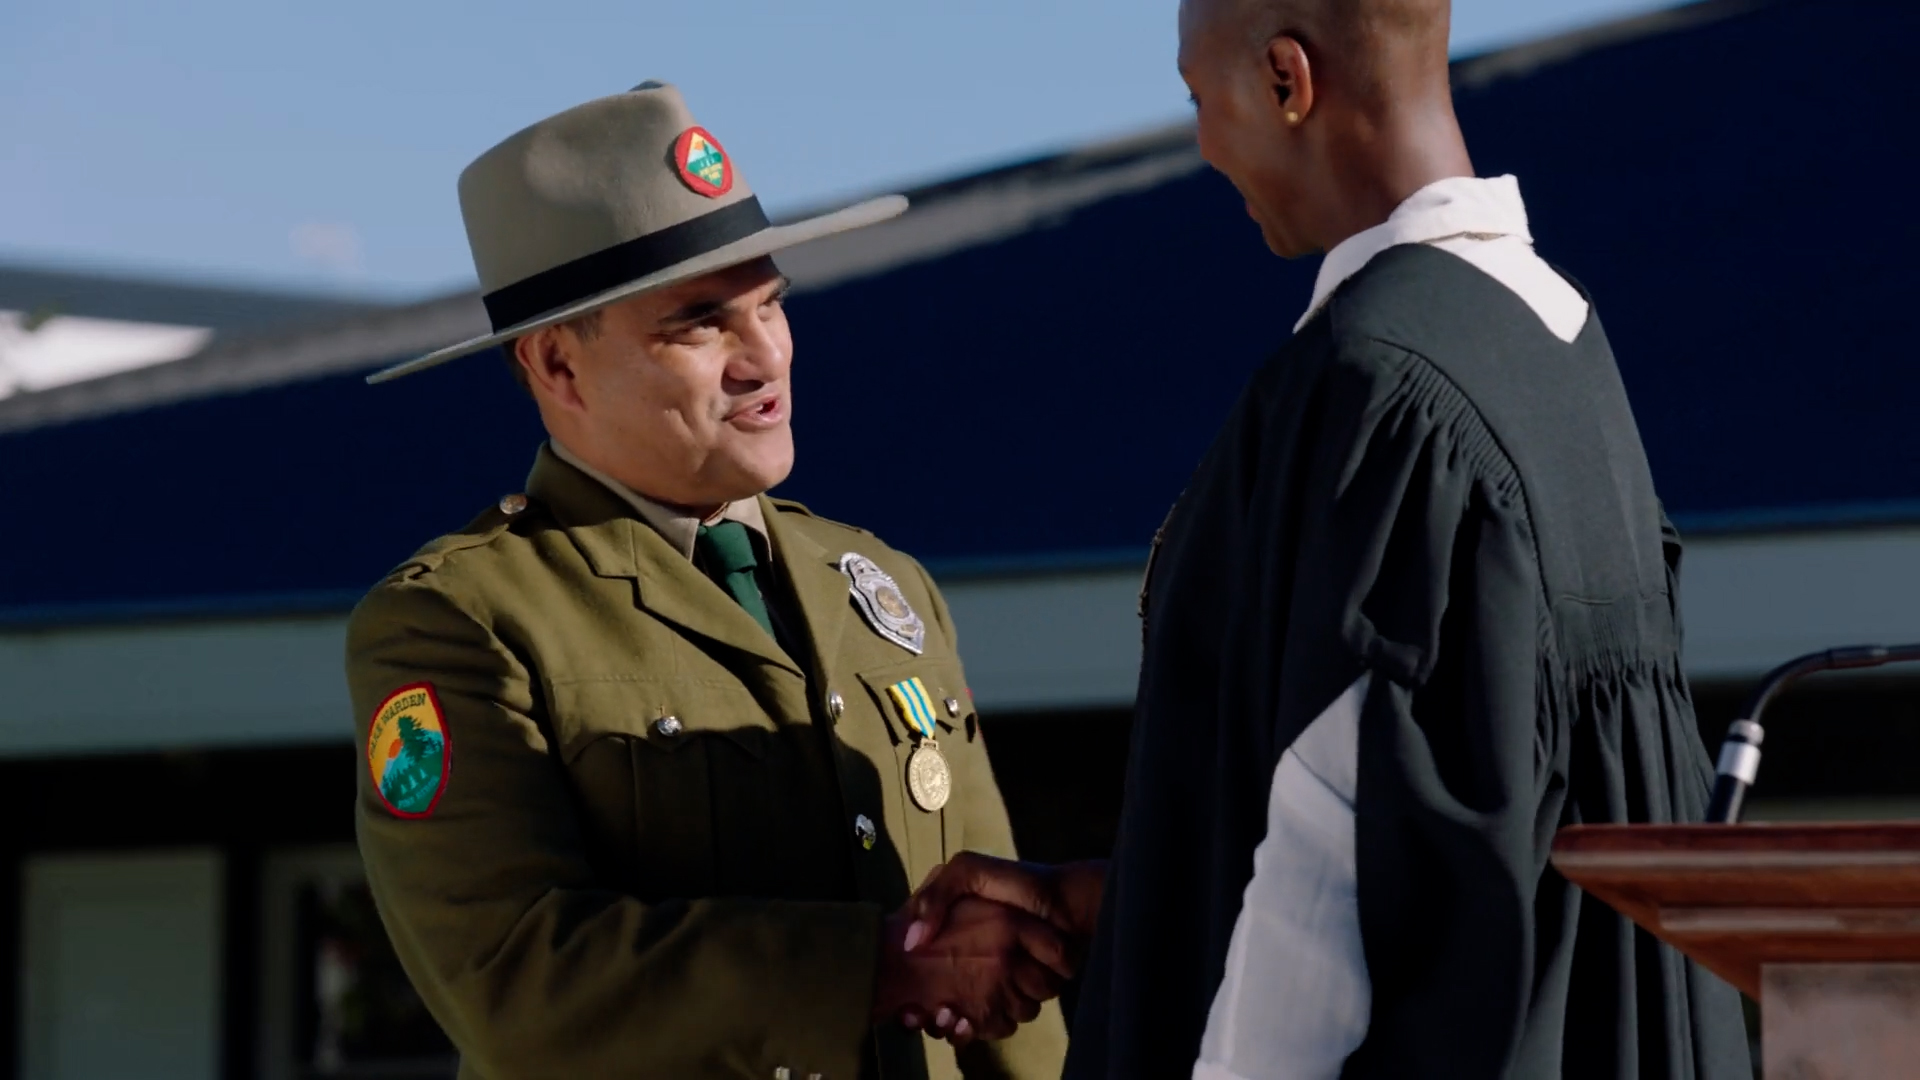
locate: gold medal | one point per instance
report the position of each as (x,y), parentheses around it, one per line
(929,780)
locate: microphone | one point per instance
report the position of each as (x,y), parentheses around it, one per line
(1740,754)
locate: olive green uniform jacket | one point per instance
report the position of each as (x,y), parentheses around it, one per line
(596,894)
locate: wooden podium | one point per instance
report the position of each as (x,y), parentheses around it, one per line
(1820,923)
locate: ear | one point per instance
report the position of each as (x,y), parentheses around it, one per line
(548,358)
(1291,76)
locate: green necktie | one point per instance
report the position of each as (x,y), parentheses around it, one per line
(726,549)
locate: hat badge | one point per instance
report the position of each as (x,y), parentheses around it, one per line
(701,163)
(649,199)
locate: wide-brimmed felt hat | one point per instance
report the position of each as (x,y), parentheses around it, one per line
(608,200)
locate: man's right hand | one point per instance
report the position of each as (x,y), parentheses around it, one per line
(1066,896)
(989,970)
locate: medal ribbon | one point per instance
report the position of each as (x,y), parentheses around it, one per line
(915,706)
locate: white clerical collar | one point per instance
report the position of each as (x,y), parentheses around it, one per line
(1458,207)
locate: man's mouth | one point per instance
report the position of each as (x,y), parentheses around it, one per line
(761,412)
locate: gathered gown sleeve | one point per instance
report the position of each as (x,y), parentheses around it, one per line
(1461,764)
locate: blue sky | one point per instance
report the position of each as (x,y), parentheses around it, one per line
(316,145)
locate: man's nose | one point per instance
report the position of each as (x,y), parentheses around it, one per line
(762,350)
(761,357)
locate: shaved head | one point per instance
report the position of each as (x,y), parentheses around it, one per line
(1326,114)
(1373,47)
(1338,21)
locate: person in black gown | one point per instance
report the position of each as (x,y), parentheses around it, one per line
(1415,612)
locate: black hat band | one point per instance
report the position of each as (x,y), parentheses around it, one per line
(610,268)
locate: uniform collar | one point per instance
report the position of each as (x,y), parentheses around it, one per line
(1458,207)
(611,537)
(679,528)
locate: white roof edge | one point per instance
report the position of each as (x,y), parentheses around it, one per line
(245,363)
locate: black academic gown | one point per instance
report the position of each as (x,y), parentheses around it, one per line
(1426,484)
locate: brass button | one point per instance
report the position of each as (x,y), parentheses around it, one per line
(863,828)
(513,504)
(953,706)
(668,726)
(836,704)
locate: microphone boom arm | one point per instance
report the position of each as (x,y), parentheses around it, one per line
(1740,755)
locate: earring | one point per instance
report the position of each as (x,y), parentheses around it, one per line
(1293,117)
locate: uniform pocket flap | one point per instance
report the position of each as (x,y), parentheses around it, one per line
(946,692)
(665,714)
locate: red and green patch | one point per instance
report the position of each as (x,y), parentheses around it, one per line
(408,754)
(701,163)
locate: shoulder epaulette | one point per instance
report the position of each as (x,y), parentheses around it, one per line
(479,532)
(789,506)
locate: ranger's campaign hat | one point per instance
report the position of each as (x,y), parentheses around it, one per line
(609,200)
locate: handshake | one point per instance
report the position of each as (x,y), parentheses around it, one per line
(983,943)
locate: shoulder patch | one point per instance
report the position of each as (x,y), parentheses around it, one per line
(408,753)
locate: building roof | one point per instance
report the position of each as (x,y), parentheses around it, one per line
(123,297)
(946,217)
(1021,372)
(60,328)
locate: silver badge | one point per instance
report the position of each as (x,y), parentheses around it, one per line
(883,604)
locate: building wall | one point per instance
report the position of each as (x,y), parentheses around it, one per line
(1032,644)
(120,965)
(228,741)
(202,774)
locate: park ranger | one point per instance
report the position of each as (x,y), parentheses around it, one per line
(652,760)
